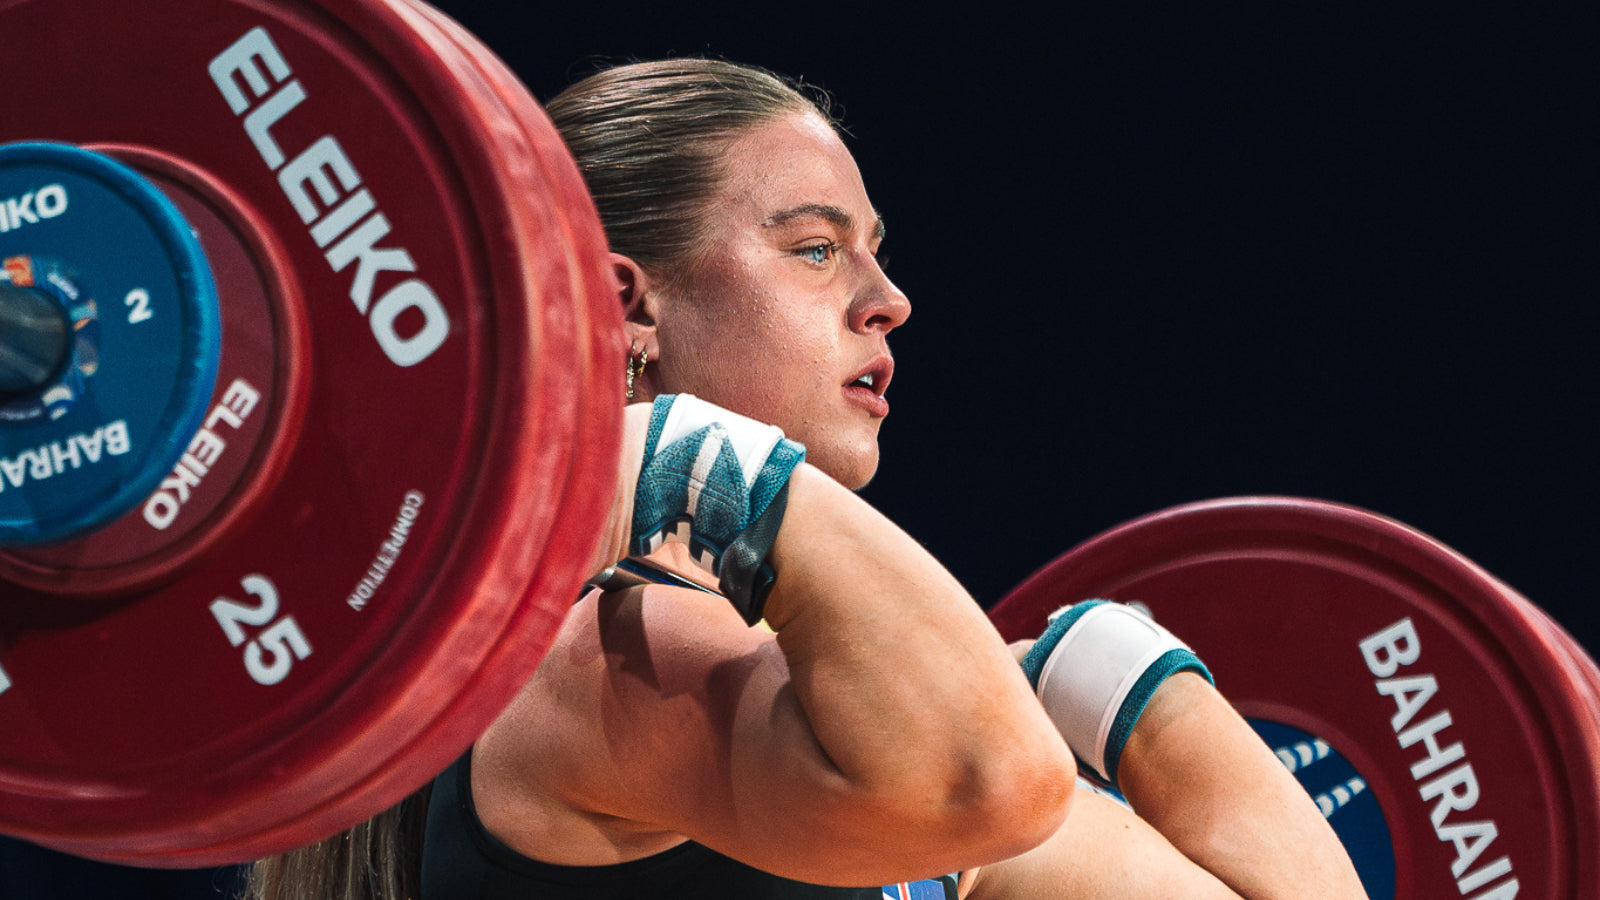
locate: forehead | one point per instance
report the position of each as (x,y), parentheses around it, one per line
(792,169)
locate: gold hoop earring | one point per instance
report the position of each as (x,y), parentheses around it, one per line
(636,367)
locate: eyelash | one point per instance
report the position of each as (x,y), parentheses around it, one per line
(830,248)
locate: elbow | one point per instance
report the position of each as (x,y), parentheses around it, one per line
(1020,803)
(1005,804)
(969,809)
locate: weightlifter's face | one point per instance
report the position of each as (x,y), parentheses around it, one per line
(785,316)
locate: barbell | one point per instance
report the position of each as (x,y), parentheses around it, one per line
(310,394)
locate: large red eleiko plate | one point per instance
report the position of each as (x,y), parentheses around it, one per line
(1456,727)
(427,511)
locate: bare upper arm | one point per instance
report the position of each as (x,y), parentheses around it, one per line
(657,714)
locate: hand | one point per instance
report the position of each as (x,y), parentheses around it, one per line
(1019,649)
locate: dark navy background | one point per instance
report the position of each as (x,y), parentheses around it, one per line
(1164,255)
(1215,249)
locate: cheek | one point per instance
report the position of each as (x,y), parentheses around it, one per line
(739,349)
(719,362)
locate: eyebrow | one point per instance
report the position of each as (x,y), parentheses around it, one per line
(825,211)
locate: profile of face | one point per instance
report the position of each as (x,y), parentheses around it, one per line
(784,316)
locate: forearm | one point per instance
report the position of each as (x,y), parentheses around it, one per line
(920,720)
(1197,772)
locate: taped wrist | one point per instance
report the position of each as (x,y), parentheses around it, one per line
(717,482)
(1095,669)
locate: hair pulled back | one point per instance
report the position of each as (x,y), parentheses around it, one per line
(649,138)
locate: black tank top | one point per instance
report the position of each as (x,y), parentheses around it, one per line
(461,860)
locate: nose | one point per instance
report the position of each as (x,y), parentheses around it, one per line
(881,306)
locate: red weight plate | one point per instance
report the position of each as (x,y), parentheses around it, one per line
(1342,635)
(598,373)
(1584,670)
(600,379)
(408,541)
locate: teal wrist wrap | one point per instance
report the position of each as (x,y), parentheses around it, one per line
(697,488)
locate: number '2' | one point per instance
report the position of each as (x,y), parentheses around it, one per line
(270,654)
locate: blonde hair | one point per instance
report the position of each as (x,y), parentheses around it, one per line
(379,859)
(649,136)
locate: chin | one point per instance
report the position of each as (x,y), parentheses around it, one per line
(851,467)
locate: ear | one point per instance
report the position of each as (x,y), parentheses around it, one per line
(636,290)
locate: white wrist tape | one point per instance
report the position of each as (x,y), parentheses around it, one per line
(752,441)
(1095,669)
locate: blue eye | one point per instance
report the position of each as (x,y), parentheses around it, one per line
(819,253)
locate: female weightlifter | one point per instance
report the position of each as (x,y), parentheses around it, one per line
(878,731)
